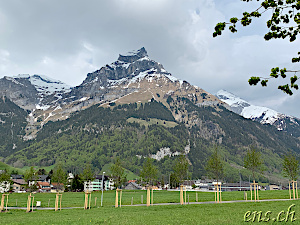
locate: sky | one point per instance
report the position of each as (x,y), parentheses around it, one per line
(65,40)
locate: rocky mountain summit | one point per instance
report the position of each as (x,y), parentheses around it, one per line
(260,114)
(31,92)
(99,83)
(134,77)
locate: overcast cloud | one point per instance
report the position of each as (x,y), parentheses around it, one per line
(67,39)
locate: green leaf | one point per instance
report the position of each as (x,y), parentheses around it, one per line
(264,83)
(253,80)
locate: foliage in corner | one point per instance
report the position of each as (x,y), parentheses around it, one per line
(284,23)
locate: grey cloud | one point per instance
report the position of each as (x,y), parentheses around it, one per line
(67,39)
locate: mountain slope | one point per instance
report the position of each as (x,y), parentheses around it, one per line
(134,77)
(99,134)
(261,114)
(134,109)
(12,127)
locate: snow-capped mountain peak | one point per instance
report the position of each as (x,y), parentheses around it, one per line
(45,85)
(261,114)
(247,110)
(231,99)
(133,55)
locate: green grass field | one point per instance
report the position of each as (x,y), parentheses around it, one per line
(4,166)
(224,213)
(76,199)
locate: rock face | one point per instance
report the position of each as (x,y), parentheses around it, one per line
(133,56)
(134,77)
(32,92)
(20,91)
(98,83)
(261,114)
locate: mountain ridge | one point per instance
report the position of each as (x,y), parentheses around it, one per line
(261,114)
(126,80)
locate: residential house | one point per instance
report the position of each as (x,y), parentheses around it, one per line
(96,184)
(57,187)
(132,185)
(16,176)
(241,186)
(19,185)
(204,184)
(41,178)
(188,184)
(43,186)
(273,187)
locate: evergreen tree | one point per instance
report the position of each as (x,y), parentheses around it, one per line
(41,172)
(77,183)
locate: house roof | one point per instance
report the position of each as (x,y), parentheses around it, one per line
(42,177)
(56,184)
(99,177)
(130,181)
(43,183)
(134,185)
(19,181)
(16,176)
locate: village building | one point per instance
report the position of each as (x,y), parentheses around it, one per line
(96,184)
(19,185)
(43,186)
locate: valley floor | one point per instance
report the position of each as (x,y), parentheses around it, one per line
(193,213)
(233,213)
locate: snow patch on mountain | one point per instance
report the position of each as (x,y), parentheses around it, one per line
(262,114)
(45,85)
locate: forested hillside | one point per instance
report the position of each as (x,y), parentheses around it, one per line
(98,135)
(12,125)
(133,110)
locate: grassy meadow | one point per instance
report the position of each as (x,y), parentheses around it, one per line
(224,213)
(76,199)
